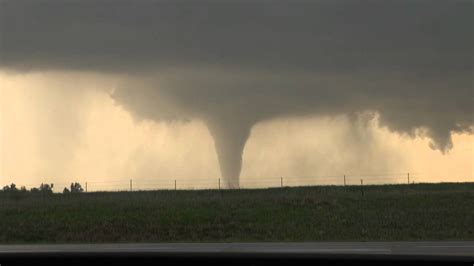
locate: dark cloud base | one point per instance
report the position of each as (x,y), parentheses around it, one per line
(236,63)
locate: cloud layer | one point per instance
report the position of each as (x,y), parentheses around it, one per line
(234,64)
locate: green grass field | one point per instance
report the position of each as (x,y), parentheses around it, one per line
(390,212)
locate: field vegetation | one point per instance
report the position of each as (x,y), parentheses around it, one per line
(330,213)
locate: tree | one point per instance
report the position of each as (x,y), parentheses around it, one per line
(13,187)
(76,188)
(10,188)
(46,188)
(66,191)
(23,192)
(13,192)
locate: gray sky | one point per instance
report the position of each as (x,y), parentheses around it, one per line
(234,64)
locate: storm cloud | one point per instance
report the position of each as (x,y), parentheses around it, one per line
(233,64)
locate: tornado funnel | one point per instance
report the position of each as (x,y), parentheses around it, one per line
(230,137)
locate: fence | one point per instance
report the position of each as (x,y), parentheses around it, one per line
(131,184)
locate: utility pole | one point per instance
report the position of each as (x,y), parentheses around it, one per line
(175,184)
(281,181)
(219,184)
(131,188)
(86,187)
(344,180)
(408,178)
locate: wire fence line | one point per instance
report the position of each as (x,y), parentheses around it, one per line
(146,184)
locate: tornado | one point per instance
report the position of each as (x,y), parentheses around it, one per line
(230,136)
(235,66)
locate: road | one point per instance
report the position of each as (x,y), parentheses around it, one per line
(455,248)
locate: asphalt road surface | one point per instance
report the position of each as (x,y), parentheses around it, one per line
(455,248)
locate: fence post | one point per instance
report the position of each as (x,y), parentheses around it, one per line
(219,184)
(42,193)
(175,184)
(408,178)
(362,186)
(281,181)
(344,180)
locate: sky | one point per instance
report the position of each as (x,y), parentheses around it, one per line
(249,92)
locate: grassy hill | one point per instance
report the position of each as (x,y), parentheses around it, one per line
(387,212)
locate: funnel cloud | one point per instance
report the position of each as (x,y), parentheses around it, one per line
(235,64)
